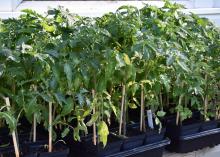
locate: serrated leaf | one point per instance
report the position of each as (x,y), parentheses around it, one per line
(103,132)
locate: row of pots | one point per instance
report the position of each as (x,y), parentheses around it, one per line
(191,135)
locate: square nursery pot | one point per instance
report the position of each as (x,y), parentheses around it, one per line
(209,125)
(39,149)
(134,138)
(207,136)
(86,148)
(7,151)
(153,136)
(196,141)
(188,127)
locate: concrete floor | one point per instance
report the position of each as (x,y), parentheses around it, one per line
(206,152)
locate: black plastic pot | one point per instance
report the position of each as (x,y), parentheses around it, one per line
(134,139)
(209,125)
(58,153)
(196,141)
(31,155)
(153,136)
(86,148)
(35,147)
(7,151)
(39,149)
(188,127)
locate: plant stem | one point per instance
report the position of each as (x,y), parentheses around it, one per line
(122,109)
(94,125)
(50,128)
(15,140)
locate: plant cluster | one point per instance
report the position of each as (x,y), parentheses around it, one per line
(91,70)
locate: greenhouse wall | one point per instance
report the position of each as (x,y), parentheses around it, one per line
(12,8)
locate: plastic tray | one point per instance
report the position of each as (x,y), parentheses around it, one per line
(152,150)
(188,143)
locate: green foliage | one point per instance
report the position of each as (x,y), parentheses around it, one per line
(62,57)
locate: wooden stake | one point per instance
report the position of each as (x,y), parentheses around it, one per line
(15,141)
(142,109)
(122,109)
(206,100)
(34,128)
(50,128)
(124,117)
(94,125)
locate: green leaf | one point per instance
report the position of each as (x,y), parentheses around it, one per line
(69,74)
(170,60)
(120,61)
(183,66)
(60,98)
(93,119)
(67,108)
(132,105)
(2,69)
(10,120)
(161,113)
(65,132)
(103,132)
(46,97)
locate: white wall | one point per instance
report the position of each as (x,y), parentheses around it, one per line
(9,5)
(12,8)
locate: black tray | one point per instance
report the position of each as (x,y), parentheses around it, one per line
(151,150)
(189,143)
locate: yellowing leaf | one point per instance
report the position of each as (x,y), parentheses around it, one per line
(127,59)
(48,28)
(132,105)
(103,132)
